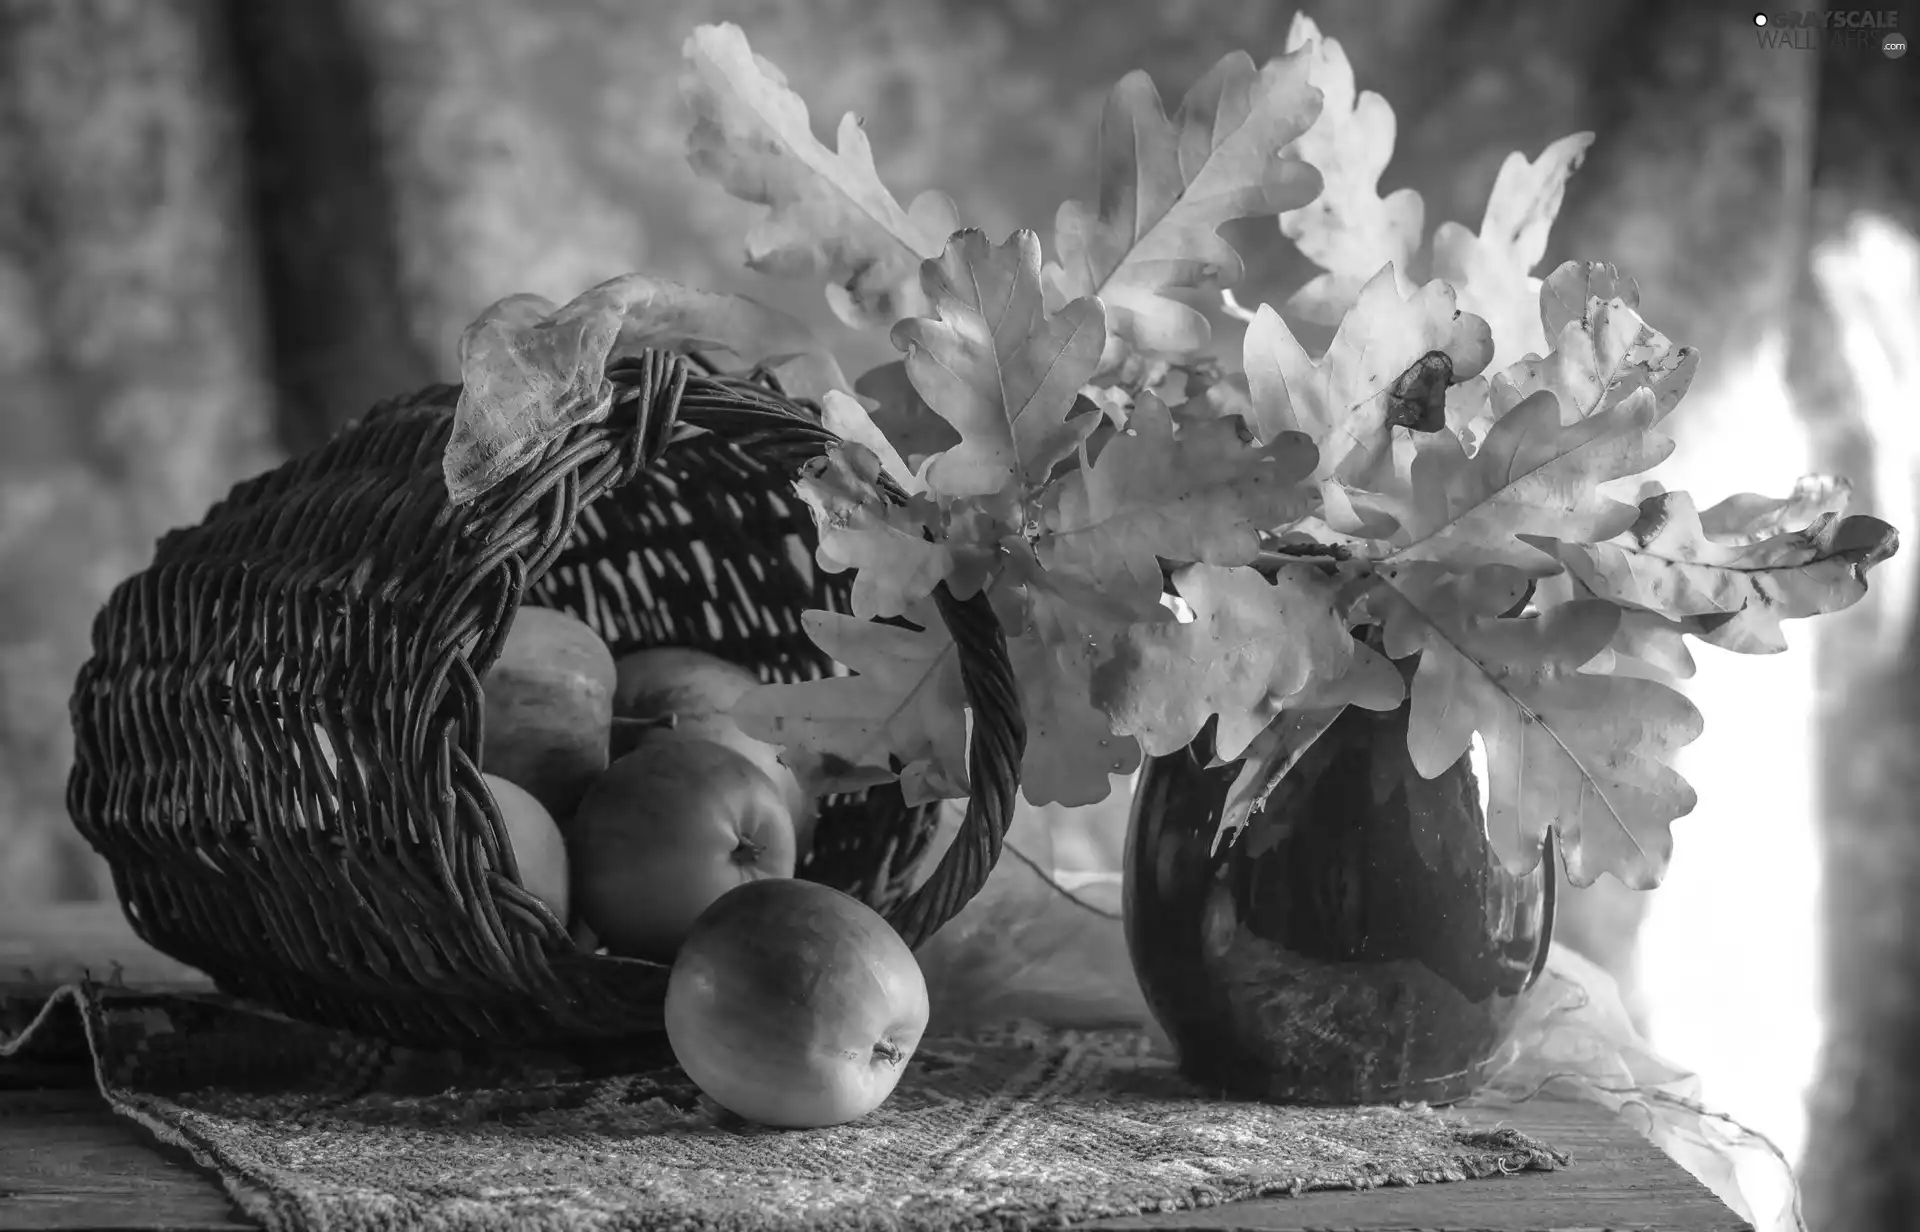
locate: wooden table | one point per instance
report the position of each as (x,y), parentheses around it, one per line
(67,1162)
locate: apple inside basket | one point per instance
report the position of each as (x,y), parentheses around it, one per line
(639,812)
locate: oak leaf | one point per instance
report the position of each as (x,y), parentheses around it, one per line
(1748,517)
(1203,494)
(1493,270)
(1601,353)
(1345,401)
(530,369)
(1646,643)
(1533,475)
(998,367)
(830,215)
(1739,593)
(890,547)
(1251,645)
(847,418)
(1053,639)
(1167,186)
(1583,753)
(1350,231)
(903,712)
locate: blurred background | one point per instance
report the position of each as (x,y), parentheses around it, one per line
(227,227)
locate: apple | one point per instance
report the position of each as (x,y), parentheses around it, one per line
(679,679)
(549,708)
(538,849)
(795,1005)
(668,829)
(697,689)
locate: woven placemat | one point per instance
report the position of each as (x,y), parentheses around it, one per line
(316,1129)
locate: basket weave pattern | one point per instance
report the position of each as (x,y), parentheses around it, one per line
(277,735)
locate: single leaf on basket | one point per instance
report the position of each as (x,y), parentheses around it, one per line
(896,560)
(1250,647)
(1166,188)
(525,379)
(530,370)
(1493,271)
(1533,475)
(1350,231)
(830,215)
(1203,494)
(1601,354)
(656,313)
(998,367)
(1345,400)
(1583,753)
(1739,593)
(903,713)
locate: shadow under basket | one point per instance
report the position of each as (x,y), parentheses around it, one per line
(277,735)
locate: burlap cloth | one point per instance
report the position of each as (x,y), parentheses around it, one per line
(317,1129)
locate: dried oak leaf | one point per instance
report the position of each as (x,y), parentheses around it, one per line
(1493,271)
(847,418)
(1350,231)
(830,215)
(1733,595)
(1344,400)
(531,370)
(1250,647)
(904,710)
(1533,475)
(1204,494)
(998,367)
(1167,186)
(1583,753)
(1602,353)
(889,547)
(1057,629)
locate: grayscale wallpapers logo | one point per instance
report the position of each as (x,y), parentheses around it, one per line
(1813,30)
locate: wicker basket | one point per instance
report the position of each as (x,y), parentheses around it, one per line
(277,736)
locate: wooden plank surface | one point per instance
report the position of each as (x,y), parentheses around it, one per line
(68,1162)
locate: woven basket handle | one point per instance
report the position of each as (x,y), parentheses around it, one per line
(998,744)
(999,738)
(659,379)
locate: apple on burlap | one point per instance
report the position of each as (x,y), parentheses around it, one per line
(795,1005)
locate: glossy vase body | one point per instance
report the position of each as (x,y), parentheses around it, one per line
(1356,942)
